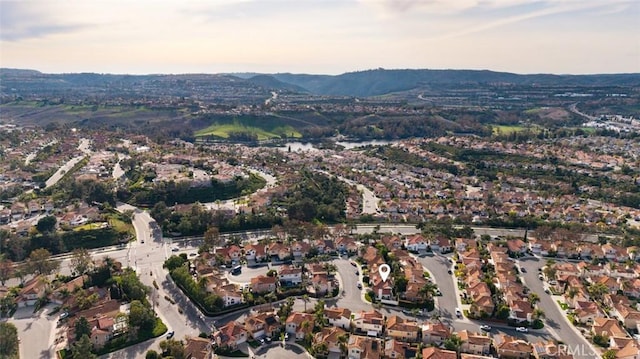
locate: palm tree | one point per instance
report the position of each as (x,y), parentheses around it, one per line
(537,314)
(597,290)
(533,298)
(305,299)
(453,343)
(342,341)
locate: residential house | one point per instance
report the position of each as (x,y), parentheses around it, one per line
(62,292)
(346,244)
(230,335)
(629,317)
(371,322)
(360,347)
(279,251)
(474,343)
(398,350)
(262,324)
(517,247)
(435,332)
(629,351)
(331,336)
(520,310)
(33,290)
(402,329)
(263,284)
(338,317)
(298,324)
(255,252)
(198,348)
(545,350)
(585,312)
(607,327)
(510,347)
(321,284)
(290,276)
(437,353)
(417,243)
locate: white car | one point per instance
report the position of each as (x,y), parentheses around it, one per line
(458,313)
(485,328)
(522,329)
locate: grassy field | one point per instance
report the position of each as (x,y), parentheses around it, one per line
(263,133)
(509,129)
(89,226)
(120,226)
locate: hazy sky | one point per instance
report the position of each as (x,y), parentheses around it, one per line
(320,36)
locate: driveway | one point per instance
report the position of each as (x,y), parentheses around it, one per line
(36,332)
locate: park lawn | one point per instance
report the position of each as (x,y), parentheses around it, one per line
(224,131)
(509,129)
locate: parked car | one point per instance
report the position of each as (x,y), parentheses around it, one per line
(175,249)
(485,328)
(438,293)
(523,270)
(522,329)
(458,313)
(359,285)
(170,334)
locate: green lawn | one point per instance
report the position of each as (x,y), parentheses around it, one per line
(224,130)
(509,129)
(89,226)
(120,226)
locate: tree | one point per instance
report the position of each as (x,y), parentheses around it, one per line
(81,261)
(537,314)
(8,340)
(172,348)
(453,343)
(173,262)
(597,290)
(6,270)
(152,354)
(40,262)
(128,216)
(141,316)
(82,327)
(305,300)
(211,238)
(609,354)
(82,349)
(46,224)
(533,298)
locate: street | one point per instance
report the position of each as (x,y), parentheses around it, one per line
(556,320)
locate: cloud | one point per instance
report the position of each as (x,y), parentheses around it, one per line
(26,20)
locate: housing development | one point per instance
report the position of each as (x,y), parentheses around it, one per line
(206,216)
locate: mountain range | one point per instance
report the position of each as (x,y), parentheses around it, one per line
(376,82)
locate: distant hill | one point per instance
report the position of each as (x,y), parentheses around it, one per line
(361,84)
(381,82)
(271,83)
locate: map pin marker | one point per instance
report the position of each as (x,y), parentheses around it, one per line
(384,271)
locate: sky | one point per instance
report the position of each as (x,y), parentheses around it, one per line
(320,36)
